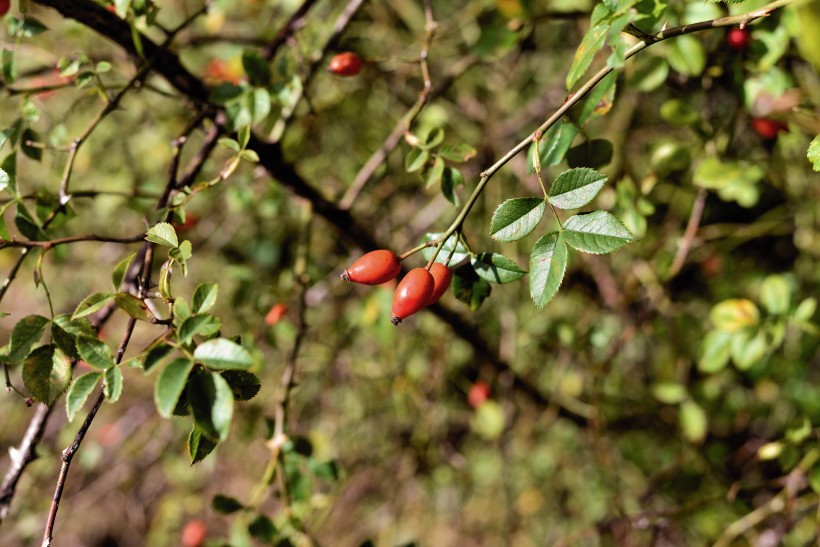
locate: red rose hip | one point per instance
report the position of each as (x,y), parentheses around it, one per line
(345,64)
(412,294)
(5,6)
(442,276)
(767,128)
(374,268)
(479,392)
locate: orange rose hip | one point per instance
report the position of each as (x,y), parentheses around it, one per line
(373,268)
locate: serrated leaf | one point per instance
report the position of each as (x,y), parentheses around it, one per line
(78,394)
(47,373)
(497,268)
(95,352)
(469,288)
(91,304)
(451,245)
(734,314)
(458,153)
(592,42)
(134,307)
(222,354)
(225,504)
(715,351)
(64,339)
(121,269)
(516,218)
(575,188)
(212,404)
(548,263)
(170,384)
(163,234)
(598,232)
(113,384)
(244,385)
(25,334)
(198,325)
(199,446)
(554,145)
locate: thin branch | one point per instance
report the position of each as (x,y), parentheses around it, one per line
(66,240)
(293,24)
(689,234)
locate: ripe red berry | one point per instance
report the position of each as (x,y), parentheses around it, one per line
(767,128)
(442,276)
(738,38)
(5,6)
(345,64)
(412,294)
(374,268)
(276,313)
(479,392)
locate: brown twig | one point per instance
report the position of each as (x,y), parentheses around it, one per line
(689,234)
(292,25)
(66,240)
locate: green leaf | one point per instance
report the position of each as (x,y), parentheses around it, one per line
(575,188)
(813,153)
(262,528)
(592,153)
(600,100)
(450,180)
(434,138)
(134,307)
(715,351)
(553,145)
(225,504)
(592,42)
(516,218)
(28,225)
(250,155)
(599,232)
(415,159)
(693,421)
(489,420)
(5,180)
(257,69)
(805,310)
(679,112)
(47,373)
(734,314)
(328,470)
(686,55)
(225,93)
(198,325)
(212,404)
(91,304)
(9,61)
(469,288)
(222,354)
(244,385)
(113,384)
(28,28)
(95,352)
(163,234)
(650,73)
(435,173)
(776,294)
(170,384)
(747,349)
(27,144)
(451,245)
(670,393)
(24,335)
(199,446)
(458,153)
(78,394)
(155,355)
(118,275)
(230,144)
(548,263)
(497,268)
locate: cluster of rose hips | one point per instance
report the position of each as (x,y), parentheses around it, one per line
(419,288)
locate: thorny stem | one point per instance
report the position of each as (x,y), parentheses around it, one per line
(575,98)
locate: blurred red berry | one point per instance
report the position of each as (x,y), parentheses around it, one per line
(276,313)
(5,6)
(479,392)
(193,535)
(738,38)
(345,64)
(767,128)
